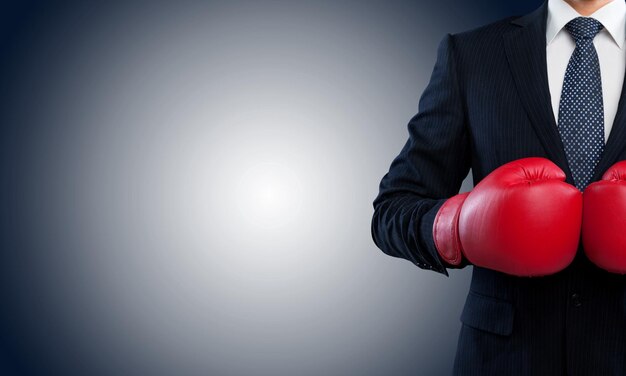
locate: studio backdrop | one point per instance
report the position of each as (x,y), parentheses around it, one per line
(187,187)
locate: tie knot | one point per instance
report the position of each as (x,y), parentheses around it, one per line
(584,28)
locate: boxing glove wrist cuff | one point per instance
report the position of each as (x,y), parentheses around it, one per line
(446,230)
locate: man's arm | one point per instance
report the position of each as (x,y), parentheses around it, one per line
(429,169)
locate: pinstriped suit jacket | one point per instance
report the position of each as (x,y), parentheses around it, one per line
(488,103)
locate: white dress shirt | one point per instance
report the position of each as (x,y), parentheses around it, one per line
(609,44)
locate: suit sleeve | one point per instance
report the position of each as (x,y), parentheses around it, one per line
(429,169)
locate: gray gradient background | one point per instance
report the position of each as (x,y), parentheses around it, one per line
(186,188)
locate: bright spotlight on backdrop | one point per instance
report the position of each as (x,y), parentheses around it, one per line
(271,196)
(187,187)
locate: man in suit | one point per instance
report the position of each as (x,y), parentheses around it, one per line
(538,94)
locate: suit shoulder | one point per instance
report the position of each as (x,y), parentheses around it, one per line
(485,32)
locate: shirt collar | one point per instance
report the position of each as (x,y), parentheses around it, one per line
(612,16)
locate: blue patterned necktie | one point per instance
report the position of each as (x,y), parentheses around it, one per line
(581,109)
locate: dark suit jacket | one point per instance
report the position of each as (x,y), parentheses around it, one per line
(488,103)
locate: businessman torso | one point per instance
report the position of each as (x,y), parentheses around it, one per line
(488,103)
(573,322)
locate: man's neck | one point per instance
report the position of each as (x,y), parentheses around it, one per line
(587,7)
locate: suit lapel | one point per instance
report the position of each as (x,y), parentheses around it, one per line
(617,138)
(525,48)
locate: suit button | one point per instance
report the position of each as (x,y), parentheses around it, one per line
(576,300)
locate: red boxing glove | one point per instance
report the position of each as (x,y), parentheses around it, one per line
(522,219)
(604,218)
